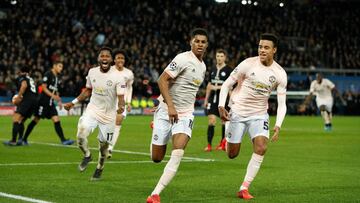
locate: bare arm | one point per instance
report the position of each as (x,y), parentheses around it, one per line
(163,83)
(121,104)
(49,93)
(82,97)
(207,94)
(128,98)
(308,99)
(21,93)
(337,93)
(225,88)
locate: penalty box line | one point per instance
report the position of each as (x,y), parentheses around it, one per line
(123,151)
(18,197)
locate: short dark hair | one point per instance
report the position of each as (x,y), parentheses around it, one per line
(25,69)
(270,37)
(124,53)
(57,62)
(221,51)
(199,31)
(105,49)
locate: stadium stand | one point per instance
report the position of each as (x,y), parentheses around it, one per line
(313,36)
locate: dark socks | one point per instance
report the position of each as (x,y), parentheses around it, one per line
(59,131)
(21,130)
(29,128)
(15,131)
(210,133)
(222,132)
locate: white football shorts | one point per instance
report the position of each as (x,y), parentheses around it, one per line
(254,125)
(106,131)
(328,103)
(163,129)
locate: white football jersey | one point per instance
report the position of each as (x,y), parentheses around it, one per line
(105,89)
(188,72)
(129,80)
(255,82)
(322,91)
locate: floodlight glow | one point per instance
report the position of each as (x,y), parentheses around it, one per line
(255,3)
(249,1)
(281,4)
(13,2)
(221,1)
(243,2)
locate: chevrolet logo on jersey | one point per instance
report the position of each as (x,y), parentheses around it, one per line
(197,82)
(259,85)
(99,91)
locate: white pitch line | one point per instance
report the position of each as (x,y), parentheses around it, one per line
(121,151)
(18,197)
(76,163)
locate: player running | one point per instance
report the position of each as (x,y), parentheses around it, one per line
(105,86)
(257,77)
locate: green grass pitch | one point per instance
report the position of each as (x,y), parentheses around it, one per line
(305,165)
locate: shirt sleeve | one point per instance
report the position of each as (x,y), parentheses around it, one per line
(281,88)
(88,80)
(121,87)
(46,78)
(240,69)
(176,66)
(330,84)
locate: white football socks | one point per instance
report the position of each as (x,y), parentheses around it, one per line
(169,170)
(115,136)
(252,169)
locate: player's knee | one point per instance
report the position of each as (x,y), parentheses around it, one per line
(232,155)
(322,108)
(82,132)
(156,159)
(212,121)
(260,149)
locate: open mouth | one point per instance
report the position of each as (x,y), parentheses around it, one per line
(104,63)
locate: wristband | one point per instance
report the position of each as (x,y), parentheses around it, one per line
(75,101)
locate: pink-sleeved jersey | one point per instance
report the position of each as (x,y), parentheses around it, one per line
(105,89)
(255,84)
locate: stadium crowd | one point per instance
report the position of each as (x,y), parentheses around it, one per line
(35,33)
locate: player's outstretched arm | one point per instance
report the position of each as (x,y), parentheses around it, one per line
(84,95)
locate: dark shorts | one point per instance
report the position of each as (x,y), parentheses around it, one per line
(27,107)
(46,111)
(212,107)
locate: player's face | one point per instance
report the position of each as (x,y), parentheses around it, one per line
(198,45)
(59,67)
(119,60)
(266,51)
(220,58)
(319,78)
(104,60)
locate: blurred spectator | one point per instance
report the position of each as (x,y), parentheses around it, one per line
(313,34)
